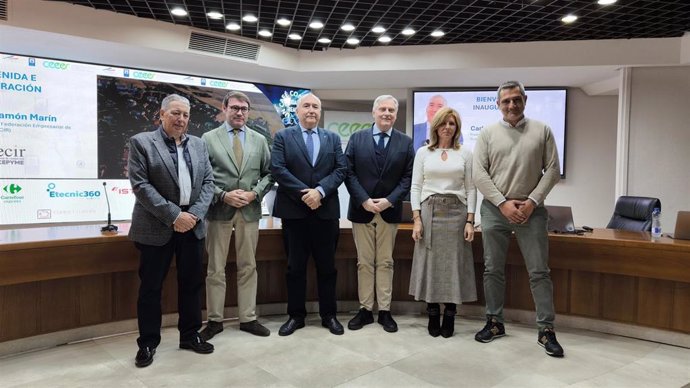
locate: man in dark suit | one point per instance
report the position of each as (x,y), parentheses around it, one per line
(308,164)
(379,162)
(241,162)
(421,130)
(172,181)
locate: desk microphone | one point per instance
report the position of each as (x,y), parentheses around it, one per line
(110,227)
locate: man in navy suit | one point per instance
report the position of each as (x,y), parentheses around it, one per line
(172,181)
(308,164)
(421,131)
(379,162)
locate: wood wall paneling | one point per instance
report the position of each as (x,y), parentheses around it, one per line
(19,315)
(58,305)
(95,294)
(612,275)
(655,302)
(124,295)
(681,307)
(618,298)
(585,293)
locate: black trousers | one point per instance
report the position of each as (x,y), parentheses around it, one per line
(318,238)
(153,267)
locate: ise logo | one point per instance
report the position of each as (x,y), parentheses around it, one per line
(12,188)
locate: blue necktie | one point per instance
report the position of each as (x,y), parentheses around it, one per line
(310,146)
(381,143)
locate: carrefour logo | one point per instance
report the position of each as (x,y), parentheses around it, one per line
(142,75)
(55,65)
(220,84)
(87,194)
(12,188)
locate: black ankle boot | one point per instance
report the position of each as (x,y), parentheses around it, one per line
(448,326)
(434,321)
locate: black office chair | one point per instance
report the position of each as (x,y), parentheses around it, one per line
(634,213)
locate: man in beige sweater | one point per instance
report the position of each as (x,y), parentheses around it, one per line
(515,167)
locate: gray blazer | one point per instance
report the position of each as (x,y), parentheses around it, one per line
(154,180)
(254,176)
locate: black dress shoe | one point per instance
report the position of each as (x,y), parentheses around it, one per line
(144,357)
(363,317)
(290,326)
(212,328)
(387,321)
(254,327)
(197,345)
(333,325)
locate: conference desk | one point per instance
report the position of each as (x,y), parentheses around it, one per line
(67,277)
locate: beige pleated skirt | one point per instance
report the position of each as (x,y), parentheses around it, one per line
(442,264)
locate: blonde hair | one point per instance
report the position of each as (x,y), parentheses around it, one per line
(439,119)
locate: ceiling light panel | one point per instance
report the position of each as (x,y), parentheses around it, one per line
(462,21)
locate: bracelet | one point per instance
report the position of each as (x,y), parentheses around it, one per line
(222,196)
(415,218)
(470,222)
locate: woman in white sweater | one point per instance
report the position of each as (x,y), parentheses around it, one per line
(443,200)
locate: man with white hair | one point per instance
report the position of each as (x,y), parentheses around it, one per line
(172,182)
(379,161)
(308,164)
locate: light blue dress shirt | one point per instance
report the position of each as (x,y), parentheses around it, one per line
(376,132)
(317,147)
(315,138)
(231,134)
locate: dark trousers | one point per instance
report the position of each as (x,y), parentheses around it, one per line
(318,238)
(153,267)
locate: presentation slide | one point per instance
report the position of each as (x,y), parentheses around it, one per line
(64,128)
(478,108)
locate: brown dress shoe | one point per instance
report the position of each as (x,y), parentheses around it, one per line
(254,327)
(212,328)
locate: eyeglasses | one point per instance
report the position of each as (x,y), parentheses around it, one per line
(236,108)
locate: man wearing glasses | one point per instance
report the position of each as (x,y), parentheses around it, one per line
(241,171)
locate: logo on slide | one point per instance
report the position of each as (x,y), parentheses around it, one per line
(121,190)
(142,75)
(55,65)
(12,156)
(220,84)
(12,188)
(79,194)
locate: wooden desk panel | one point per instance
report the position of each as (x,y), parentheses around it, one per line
(59,278)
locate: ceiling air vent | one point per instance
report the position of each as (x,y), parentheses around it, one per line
(223,46)
(3,9)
